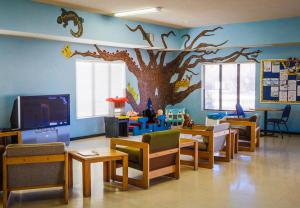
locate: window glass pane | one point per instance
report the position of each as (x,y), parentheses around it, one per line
(247,86)
(84,89)
(229,86)
(101,88)
(117,83)
(212,86)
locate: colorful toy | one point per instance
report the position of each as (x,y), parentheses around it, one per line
(140,127)
(161,124)
(188,122)
(117,105)
(175,115)
(149,112)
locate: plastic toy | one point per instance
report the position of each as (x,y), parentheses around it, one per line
(175,115)
(140,127)
(161,124)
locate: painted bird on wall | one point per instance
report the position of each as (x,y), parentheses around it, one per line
(184,83)
(66,51)
(67,16)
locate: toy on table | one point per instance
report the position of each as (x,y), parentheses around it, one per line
(140,127)
(188,122)
(117,105)
(132,113)
(175,115)
(149,112)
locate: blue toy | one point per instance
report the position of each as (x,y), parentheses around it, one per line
(142,129)
(162,124)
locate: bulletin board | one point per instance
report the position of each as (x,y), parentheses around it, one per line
(280,81)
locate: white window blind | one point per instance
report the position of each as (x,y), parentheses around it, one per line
(95,82)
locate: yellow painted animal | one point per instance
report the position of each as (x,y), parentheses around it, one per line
(184,83)
(66,51)
(132,92)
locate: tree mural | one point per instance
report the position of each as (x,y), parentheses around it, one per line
(155,76)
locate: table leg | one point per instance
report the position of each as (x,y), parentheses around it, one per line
(236,142)
(106,171)
(86,178)
(70,171)
(232,145)
(125,173)
(196,155)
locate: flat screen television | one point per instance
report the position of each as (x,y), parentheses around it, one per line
(37,112)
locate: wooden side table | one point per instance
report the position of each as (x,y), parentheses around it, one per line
(12,133)
(190,143)
(104,155)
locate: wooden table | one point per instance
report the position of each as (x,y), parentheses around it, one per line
(105,155)
(191,143)
(12,133)
(266,110)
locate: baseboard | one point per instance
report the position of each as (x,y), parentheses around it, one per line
(284,132)
(86,137)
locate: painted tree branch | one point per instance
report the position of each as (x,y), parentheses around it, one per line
(107,56)
(145,36)
(166,35)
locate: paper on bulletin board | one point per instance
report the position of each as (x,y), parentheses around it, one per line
(267,66)
(274,91)
(292,85)
(274,82)
(276,67)
(283,85)
(284,75)
(282,95)
(266,81)
(292,95)
(298,90)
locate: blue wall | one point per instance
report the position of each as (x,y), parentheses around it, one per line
(27,16)
(33,67)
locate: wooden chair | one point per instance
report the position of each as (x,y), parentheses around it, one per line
(249,132)
(214,140)
(156,155)
(34,166)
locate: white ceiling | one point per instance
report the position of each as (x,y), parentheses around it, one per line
(191,13)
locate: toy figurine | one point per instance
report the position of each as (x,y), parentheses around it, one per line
(188,123)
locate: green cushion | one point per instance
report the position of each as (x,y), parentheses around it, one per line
(135,157)
(162,140)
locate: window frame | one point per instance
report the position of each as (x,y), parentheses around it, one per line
(238,68)
(93,85)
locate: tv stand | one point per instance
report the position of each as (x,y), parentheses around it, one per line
(47,135)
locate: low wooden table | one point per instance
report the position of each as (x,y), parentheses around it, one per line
(191,143)
(12,133)
(106,155)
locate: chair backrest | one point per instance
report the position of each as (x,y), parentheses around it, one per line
(219,141)
(35,174)
(239,110)
(162,140)
(286,113)
(255,118)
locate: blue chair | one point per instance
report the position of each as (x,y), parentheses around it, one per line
(281,121)
(239,111)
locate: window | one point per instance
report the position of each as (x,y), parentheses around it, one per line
(228,84)
(95,82)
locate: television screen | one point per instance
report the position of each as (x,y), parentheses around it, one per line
(44,111)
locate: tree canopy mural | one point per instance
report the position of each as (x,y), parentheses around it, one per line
(156,74)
